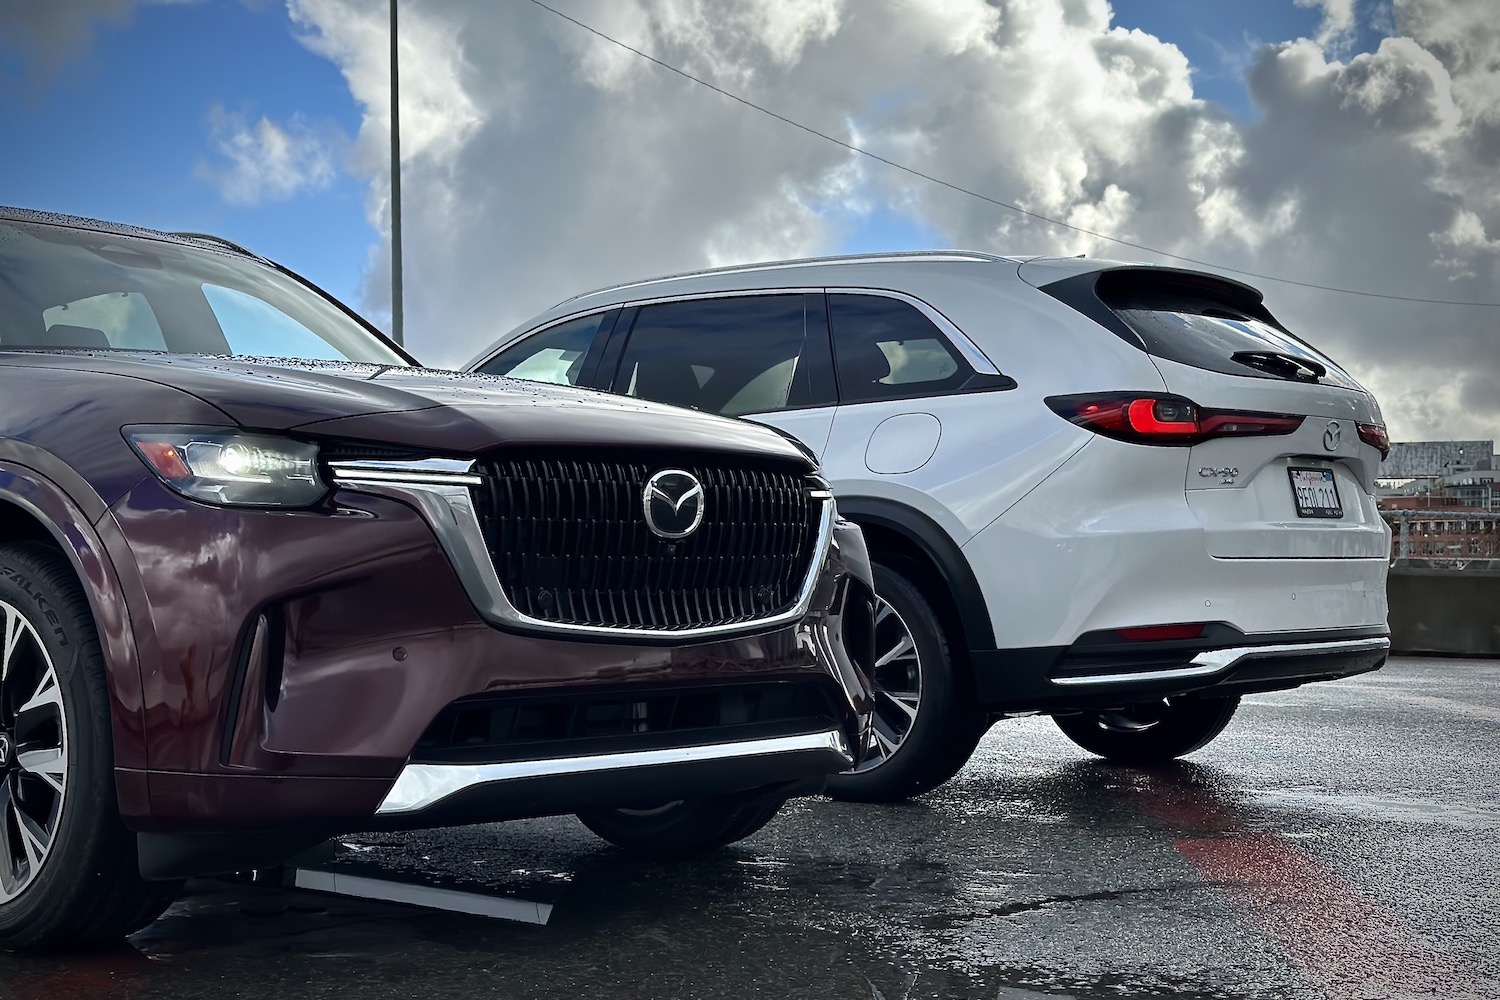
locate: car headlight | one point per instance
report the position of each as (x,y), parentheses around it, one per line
(222,466)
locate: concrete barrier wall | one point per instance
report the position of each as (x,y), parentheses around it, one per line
(1445,610)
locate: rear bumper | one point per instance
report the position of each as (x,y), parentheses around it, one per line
(1091,674)
(1064,562)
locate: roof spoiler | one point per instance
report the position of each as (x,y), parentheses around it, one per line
(1097,294)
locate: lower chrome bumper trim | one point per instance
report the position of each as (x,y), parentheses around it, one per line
(1217,661)
(421,786)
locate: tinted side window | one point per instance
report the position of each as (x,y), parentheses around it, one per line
(555,355)
(886,349)
(746,354)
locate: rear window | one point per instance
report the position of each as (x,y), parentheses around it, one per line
(1219,327)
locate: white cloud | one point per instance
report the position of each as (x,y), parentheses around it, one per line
(262,161)
(541,161)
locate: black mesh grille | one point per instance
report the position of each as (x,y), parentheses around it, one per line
(538,726)
(570,542)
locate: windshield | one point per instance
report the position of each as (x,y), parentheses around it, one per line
(77,289)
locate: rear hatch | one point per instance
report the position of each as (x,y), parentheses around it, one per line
(1284,444)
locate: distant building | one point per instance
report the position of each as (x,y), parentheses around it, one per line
(1426,488)
(1424,461)
(1448,536)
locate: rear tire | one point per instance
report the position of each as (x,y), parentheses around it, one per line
(68,868)
(1150,734)
(686,827)
(925,735)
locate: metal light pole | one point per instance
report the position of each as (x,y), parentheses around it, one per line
(397,332)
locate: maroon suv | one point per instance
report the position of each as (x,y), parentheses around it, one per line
(251,602)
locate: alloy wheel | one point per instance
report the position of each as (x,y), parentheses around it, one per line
(898,684)
(33,754)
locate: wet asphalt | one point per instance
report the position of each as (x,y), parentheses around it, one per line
(1338,841)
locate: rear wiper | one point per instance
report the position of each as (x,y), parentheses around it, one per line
(1276,363)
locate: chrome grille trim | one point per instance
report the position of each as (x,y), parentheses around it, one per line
(441,490)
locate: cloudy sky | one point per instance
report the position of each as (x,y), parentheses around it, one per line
(1345,143)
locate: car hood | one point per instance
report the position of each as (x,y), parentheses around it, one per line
(426,408)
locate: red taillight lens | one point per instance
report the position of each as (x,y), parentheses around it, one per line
(1163,419)
(1377,437)
(1160,633)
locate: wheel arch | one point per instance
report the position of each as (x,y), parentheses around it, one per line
(33,508)
(915,542)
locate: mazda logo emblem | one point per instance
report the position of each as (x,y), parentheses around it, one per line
(673,503)
(1331,436)
(4,750)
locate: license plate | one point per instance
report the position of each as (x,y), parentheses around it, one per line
(1315,493)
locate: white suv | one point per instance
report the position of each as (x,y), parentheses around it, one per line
(1117,494)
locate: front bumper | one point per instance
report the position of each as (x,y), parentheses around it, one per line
(293,660)
(1095,673)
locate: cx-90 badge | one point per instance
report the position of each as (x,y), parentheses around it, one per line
(673,502)
(1331,436)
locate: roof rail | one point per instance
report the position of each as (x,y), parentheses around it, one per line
(857,258)
(217,241)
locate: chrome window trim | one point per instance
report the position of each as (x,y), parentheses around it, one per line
(421,786)
(961,341)
(440,489)
(1217,661)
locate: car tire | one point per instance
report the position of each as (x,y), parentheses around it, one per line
(943,726)
(1152,733)
(687,827)
(82,886)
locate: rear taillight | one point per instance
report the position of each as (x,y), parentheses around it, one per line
(1164,419)
(1376,436)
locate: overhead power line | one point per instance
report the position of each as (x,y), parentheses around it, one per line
(1008,206)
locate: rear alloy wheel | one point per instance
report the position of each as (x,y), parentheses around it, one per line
(926,723)
(68,869)
(1152,732)
(689,826)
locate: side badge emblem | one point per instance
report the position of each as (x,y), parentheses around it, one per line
(1226,476)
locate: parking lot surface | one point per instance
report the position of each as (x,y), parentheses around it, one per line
(1339,841)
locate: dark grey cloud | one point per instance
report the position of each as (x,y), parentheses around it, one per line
(541,161)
